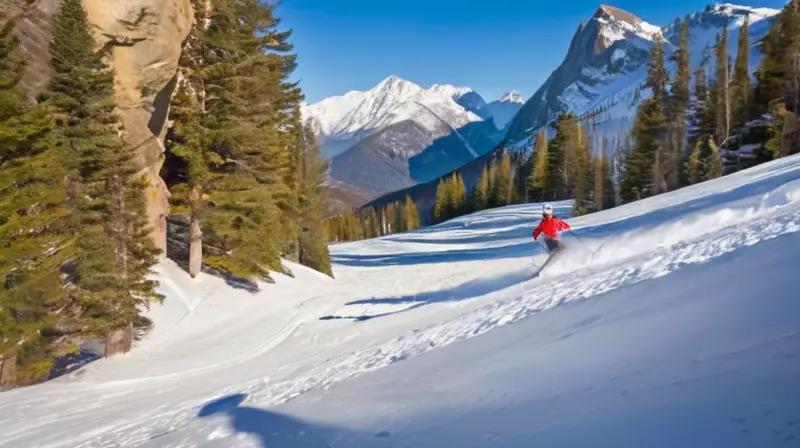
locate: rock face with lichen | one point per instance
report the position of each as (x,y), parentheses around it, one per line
(143,40)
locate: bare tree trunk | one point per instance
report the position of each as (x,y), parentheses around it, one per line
(195,234)
(8,371)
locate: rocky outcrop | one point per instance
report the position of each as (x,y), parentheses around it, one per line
(143,40)
(744,148)
(119,341)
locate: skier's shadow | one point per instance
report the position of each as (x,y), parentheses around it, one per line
(272,429)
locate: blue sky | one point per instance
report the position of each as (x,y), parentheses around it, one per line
(492,46)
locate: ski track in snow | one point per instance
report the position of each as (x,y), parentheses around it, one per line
(777,214)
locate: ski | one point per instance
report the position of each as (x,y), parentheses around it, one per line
(546,262)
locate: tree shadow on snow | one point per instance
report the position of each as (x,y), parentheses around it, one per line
(272,429)
(489,253)
(471,289)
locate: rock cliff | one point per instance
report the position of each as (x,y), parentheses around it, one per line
(143,40)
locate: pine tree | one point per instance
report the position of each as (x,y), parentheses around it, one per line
(559,160)
(537,182)
(443,204)
(643,174)
(460,195)
(313,250)
(600,177)
(581,180)
(33,241)
(778,74)
(740,88)
(394,218)
(774,144)
(504,181)
(723,105)
(713,162)
(695,165)
(777,91)
(481,190)
(609,192)
(370,224)
(678,106)
(411,214)
(185,145)
(114,252)
(250,120)
(704,119)
(492,198)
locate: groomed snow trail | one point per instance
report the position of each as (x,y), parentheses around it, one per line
(393,299)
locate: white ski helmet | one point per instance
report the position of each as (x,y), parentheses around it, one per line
(547,209)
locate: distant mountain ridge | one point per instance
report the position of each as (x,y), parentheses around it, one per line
(502,111)
(602,77)
(342,121)
(398,133)
(604,69)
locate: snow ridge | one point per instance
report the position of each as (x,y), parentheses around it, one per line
(512,97)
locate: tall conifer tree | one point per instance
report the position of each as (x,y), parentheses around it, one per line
(537,182)
(678,106)
(722,78)
(114,251)
(643,172)
(740,89)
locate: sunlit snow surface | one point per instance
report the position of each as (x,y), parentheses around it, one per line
(671,322)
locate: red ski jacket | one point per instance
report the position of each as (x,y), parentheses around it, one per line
(550,227)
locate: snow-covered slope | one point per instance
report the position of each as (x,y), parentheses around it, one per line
(604,69)
(672,321)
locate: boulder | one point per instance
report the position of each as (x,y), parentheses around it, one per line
(119,341)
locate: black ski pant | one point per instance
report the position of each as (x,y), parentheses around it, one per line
(554,246)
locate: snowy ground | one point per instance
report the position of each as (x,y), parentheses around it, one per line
(680,330)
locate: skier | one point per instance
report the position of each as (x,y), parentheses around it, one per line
(550,226)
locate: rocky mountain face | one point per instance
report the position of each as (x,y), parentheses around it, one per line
(143,40)
(604,69)
(608,47)
(601,78)
(399,134)
(502,111)
(342,121)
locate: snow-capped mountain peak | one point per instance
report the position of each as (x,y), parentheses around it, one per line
(614,24)
(450,90)
(604,69)
(327,113)
(392,100)
(394,87)
(512,97)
